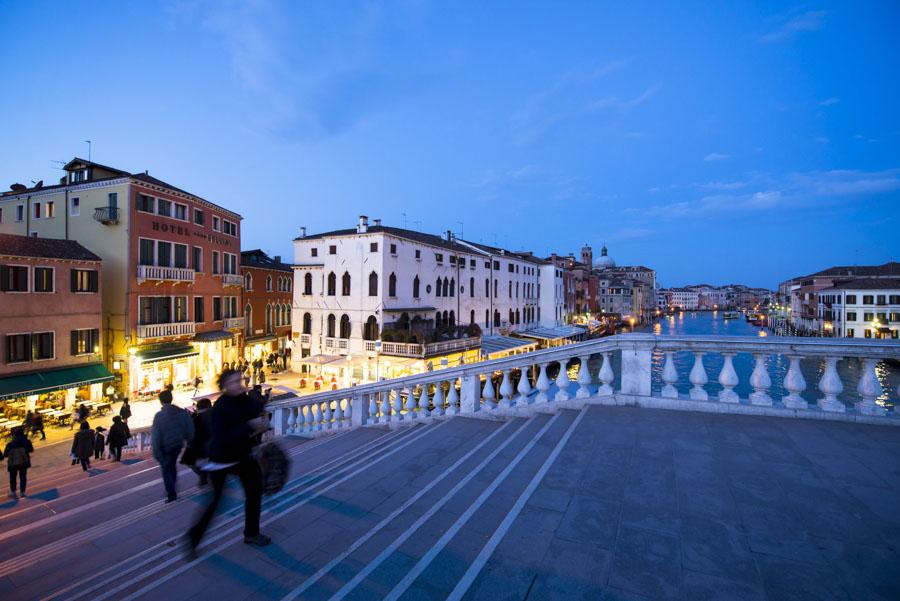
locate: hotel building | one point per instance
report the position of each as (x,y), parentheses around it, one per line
(171,284)
(861,308)
(268,296)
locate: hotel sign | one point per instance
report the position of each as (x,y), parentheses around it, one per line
(182,230)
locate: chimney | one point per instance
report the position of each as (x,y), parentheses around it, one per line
(303,232)
(448,236)
(376,222)
(277,258)
(363,225)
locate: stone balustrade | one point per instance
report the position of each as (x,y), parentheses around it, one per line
(234,323)
(164,330)
(534,381)
(164,274)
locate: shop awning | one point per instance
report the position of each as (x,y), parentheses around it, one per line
(499,344)
(169,352)
(260,339)
(319,359)
(555,333)
(48,381)
(213,336)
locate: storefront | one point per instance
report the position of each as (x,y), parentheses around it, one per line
(215,349)
(152,369)
(260,347)
(51,392)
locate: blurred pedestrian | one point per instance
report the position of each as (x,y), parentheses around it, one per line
(18,459)
(118,437)
(125,411)
(83,446)
(172,429)
(38,426)
(99,442)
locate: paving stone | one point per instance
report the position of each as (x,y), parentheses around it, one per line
(571,571)
(791,581)
(647,563)
(590,521)
(705,587)
(711,547)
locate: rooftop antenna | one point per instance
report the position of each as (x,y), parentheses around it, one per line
(59,164)
(403,220)
(461,236)
(89,150)
(417,224)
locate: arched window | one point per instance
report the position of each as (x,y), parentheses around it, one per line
(487,287)
(452,286)
(416,287)
(345,284)
(248,320)
(392,285)
(248,281)
(472,317)
(452,321)
(307,323)
(373,284)
(268,319)
(330,329)
(437,319)
(307,284)
(445,319)
(517,289)
(487,318)
(345,326)
(517,317)
(287,314)
(472,290)
(437,287)
(370,329)
(495,288)
(510,289)
(268,283)
(290,283)
(332,284)
(276,315)
(446,287)
(496,318)
(511,320)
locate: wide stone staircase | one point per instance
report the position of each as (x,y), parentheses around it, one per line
(592,503)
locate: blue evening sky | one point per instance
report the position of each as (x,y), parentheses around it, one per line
(717,142)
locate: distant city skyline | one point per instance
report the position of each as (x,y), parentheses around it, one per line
(716,144)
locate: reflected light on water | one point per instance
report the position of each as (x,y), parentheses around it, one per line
(657,329)
(762,333)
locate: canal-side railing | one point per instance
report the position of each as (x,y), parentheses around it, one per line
(523,383)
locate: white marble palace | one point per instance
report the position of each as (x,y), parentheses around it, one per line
(356,285)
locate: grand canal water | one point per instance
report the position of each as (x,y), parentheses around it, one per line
(712,323)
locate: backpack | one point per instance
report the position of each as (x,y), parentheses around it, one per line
(275,466)
(18,457)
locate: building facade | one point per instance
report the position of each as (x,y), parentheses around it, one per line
(171,284)
(373,282)
(861,308)
(51,325)
(268,300)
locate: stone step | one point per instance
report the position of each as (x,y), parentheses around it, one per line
(152,539)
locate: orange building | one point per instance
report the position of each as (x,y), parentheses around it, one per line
(268,285)
(50,326)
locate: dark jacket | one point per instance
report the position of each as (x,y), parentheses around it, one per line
(83,444)
(125,411)
(230,439)
(18,441)
(99,442)
(118,435)
(172,428)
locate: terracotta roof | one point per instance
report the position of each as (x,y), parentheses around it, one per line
(257,258)
(44,248)
(888,269)
(866,284)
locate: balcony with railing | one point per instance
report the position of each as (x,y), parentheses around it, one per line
(107,215)
(420,351)
(234,323)
(305,340)
(232,279)
(157,273)
(336,345)
(165,330)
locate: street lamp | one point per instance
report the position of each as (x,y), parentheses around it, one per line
(632,325)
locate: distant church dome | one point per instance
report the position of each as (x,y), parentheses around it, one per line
(605,261)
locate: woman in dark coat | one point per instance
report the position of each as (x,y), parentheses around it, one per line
(118,437)
(83,445)
(198,450)
(125,411)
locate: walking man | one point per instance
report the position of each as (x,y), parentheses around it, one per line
(125,411)
(18,460)
(172,429)
(83,446)
(38,426)
(197,382)
(118,438)
(235,420)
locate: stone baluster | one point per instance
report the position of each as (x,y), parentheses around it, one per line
(373,407)
(562,383)
(728,378)
(385,403)
(339,414)
(329,414)
(410,402)
(698,378)
(291,420)
(438,399)
(606,376)
(761,382)
(830,384)
(506,389)
(670,377)
(584,378)
(794,383)
(317,416)
(423,401)
(543,385)
(524,388)
(869,388)
(487,393)
(398,406)
(452,398)
(301,424)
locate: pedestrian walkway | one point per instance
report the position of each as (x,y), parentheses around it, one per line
(603,502)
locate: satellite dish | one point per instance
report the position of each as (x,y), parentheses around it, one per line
(39,185)
(17,188)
